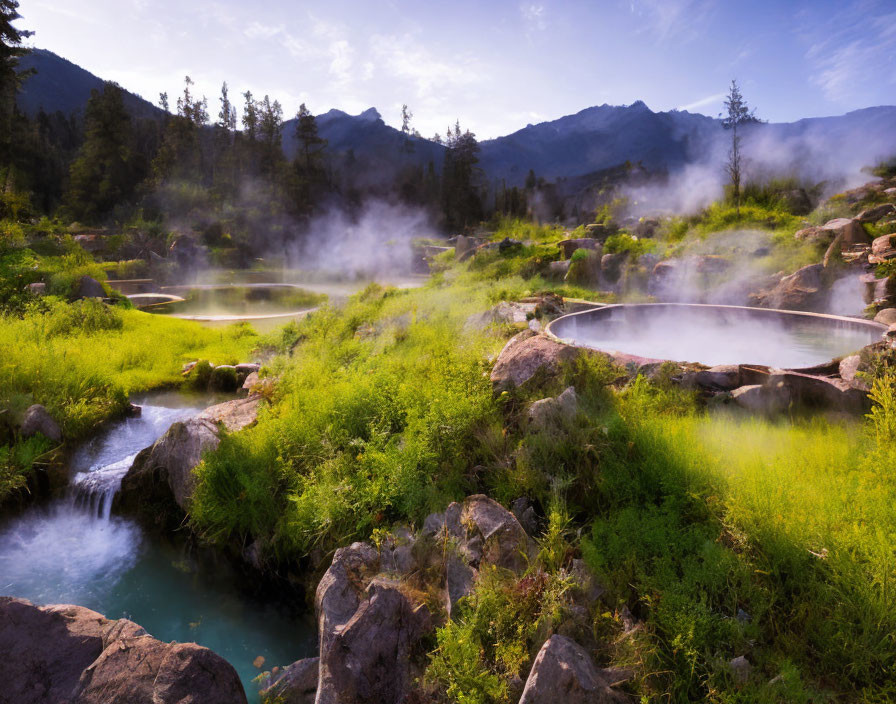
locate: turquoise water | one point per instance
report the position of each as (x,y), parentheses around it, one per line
(72,551)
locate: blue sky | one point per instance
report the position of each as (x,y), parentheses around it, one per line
(495,65)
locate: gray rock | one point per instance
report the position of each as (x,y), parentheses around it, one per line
(459,578)
(723,377)
(611,266)
(295,684)
(759,398)
(367,660)
(37,289)
(340,590)
(883,249)
(525,514)
(805,289)
(564,672)
(504,542)
(549,412)
(250,382)
(88,287)
(740,669)
(38,420)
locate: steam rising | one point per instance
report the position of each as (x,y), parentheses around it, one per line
(376,242)
(812,151)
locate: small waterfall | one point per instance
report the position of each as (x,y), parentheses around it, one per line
(94,490)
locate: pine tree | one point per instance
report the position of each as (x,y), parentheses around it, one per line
(11,50)
(105,172)
(738,115)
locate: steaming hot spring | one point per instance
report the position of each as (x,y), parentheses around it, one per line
(716,334)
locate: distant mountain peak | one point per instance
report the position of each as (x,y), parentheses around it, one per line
(371,114)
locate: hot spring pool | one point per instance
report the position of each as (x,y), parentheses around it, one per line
(715,335)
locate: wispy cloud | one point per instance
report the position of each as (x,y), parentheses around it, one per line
(853,49)
(534,17)
(703,102)
(681,20)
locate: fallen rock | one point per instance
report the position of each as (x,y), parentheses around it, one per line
(367,660)
(564,672)
(876,213)
(38,420)
(72,655)
(295,684)
(159,485)
(548,412)
(527,355)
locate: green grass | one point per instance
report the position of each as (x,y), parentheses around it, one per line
(81,360)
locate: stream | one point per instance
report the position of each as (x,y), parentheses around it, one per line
(71,550)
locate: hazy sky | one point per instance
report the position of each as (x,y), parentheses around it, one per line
(493,64)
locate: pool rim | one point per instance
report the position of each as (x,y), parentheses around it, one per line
(776,312)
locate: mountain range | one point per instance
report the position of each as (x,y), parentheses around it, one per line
(571,147)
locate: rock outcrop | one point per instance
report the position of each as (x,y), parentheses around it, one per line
(71,655)
(585,270)
(805,289)
(159,485)
(568,247)
(564,672)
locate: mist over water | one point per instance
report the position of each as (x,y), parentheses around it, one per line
(712,337)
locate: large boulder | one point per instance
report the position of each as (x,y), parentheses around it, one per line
(564,672)
(160,483)
(528,355)
(783,389)
(805,289)
(38,420)
(492,534)
(849,231)
(367,659)
(71,655)
(294,684)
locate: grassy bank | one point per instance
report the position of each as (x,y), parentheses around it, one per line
(82,359)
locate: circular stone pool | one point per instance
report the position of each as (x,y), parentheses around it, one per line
(272,303)
(715,335)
